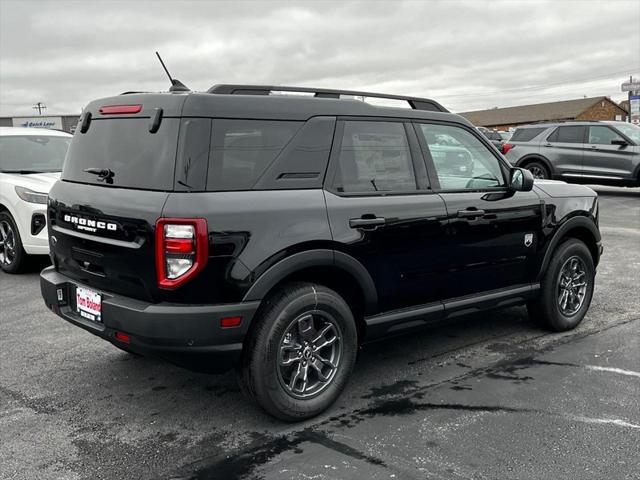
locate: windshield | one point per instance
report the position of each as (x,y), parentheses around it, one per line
(32,153)
(630,130)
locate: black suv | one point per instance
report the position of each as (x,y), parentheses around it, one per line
(277,233)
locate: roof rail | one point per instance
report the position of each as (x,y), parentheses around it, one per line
(415,102)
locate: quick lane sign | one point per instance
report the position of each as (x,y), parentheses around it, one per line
(38,122)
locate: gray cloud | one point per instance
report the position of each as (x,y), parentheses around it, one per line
(467,55)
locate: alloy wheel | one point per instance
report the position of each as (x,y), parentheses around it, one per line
(572,286)
(309,354)
(7,244)
(537,172)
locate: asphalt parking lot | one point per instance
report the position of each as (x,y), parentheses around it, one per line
(488,396)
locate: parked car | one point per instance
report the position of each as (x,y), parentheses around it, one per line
(605,153)
(279,233)
(495,138)
(30,162)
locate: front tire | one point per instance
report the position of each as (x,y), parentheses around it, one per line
(300,352)
(566,288)
(12,255)
(538,170)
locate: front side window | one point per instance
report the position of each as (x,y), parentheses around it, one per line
(462,161)
(241,150)
(33,153)
(569,134)
(602,135)
(374,157)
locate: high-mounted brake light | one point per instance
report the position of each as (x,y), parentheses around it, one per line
(506,147)
(120,109)
(182,250)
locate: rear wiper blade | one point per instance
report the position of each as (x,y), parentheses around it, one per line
(104,174)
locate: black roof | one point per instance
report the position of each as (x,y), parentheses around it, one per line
(251,101)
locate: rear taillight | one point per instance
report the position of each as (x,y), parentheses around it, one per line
(182,250)
(506,147)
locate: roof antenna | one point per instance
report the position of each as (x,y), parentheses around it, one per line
(176,85)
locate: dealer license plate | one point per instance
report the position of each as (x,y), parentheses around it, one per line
(89,304)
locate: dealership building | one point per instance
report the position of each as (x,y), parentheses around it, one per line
(66,123)
(590,108)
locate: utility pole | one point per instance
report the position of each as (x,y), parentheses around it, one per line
(39,106)
(629,100)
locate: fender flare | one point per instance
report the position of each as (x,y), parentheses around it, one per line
(570,224)
(314,258)
(536,157)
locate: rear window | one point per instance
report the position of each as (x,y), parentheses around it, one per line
(32,153)
(526,134)
(137,158)
(241,150)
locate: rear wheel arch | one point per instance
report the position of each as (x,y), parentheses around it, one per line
(580,228)
(333,269)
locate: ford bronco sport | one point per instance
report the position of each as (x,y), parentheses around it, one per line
(277,233)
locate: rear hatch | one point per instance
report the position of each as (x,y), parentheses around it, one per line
(102,220)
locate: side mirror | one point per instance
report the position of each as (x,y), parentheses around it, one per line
(520,180)
(619,141)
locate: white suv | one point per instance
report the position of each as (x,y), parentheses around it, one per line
(30,163)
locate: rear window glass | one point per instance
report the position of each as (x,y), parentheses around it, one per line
(574,134)
(32,153)
(374,157)
(241,150)
(526,134)
(137,158)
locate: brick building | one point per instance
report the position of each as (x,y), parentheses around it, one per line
(593,108)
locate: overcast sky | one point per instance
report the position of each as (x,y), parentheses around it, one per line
(467,55)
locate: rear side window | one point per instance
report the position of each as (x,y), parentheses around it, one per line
(242,149)
(138,159)
(374,157)
(569,134)
(526,134)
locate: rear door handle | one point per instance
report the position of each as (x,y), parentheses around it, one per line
(547,145)
(471,213)
(367,223)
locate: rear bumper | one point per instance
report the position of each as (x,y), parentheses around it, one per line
(182,334)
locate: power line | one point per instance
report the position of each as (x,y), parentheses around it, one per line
(541,86)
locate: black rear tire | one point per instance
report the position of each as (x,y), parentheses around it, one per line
(538,170)
(12,255)
(281,341)
(548,310)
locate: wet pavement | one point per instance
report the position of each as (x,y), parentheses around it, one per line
(487,396)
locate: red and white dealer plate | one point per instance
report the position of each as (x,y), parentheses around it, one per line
(89,304)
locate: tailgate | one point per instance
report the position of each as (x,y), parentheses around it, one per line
(104,237)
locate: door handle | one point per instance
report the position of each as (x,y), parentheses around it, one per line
(547,145)
(470,213)
(594,146)
(367,223)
